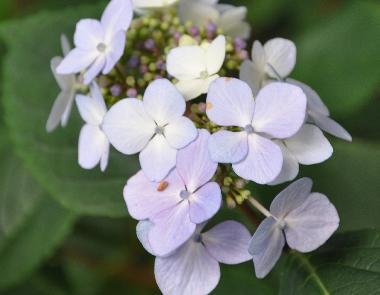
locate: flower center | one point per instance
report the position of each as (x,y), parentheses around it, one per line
(159,130)
(198,238)
(101,47)
(204,75)
(184,195)
(249,129)
(281,223)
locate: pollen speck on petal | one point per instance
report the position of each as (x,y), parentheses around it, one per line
(163,185)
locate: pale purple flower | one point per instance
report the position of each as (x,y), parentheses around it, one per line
(99,44)
(278,112)
(193,269)
(93,143)
(303,219)
(181,201)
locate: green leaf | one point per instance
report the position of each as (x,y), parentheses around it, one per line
(339,57)
(348,264)
(29,91)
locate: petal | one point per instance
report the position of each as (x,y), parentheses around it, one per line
(290,166)
(291,197)
(309,145)
(163,102)
(266,246)
(64,99)
(145,198)
(311,224)
(194,164)
(228,147)
(180,132)
(280,110)
(281,54)
(94,70)
(230,102)
(191,89)
(198,12)
(189,271)
(65,82)
(65,44)
(89,110)
(128,126)
(92,144)
(76,61)
(252,75)
(142,230)
(330,126)
(186,62)
(215,55)
(228,242)
(117,16)
(105,157)
(66,114)
(232,21)
(88,34)
(263,162)
(172,228)
(117,47)
(157,158)
(97,95)
(205,202)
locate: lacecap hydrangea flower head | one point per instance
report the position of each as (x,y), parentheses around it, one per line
(176,86)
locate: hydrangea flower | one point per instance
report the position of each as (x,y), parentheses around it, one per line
(303,219)
(275,61)
(178,203)
(99,44)
(154,127)
(230,19)
(278,112)
(309,146)
(194,269)
(149,4)
(196,67)
(62,106)
(93,143)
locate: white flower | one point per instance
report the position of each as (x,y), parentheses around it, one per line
(227,17)
(196,66)
(99,44)
(62,106)
(155,127)
(275,61)
(93,143)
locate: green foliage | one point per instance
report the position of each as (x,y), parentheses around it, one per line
(348,264)
(52,158)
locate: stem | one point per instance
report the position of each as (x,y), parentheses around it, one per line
(259,207)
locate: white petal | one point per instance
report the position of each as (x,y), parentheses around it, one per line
(266,246)
(92,144)
(65,44)
(263,162)
(117,47)
(330,126)
(281,54)
(291,197)
(215,55)
(94,70)
(228,242)
(65,82)
(230,102)
(228,147)
(172,228)
(76,61)
(145,198)
(197,12)
(280,110)
(194,163)
(128,126)
(232,22)
(186,62)
(191,89)
(189,271)
(66,114)
(311,224)
(290,166)
(117,16)
(88,34)
(64,99)
(163,102)
(252,75)
(89,110)
(309,145)
(180,132)
(142,230)
(157,158)
(105,157)
(97,95)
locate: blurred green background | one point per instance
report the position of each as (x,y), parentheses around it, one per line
(64,230)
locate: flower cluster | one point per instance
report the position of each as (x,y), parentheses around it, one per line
(176,86)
